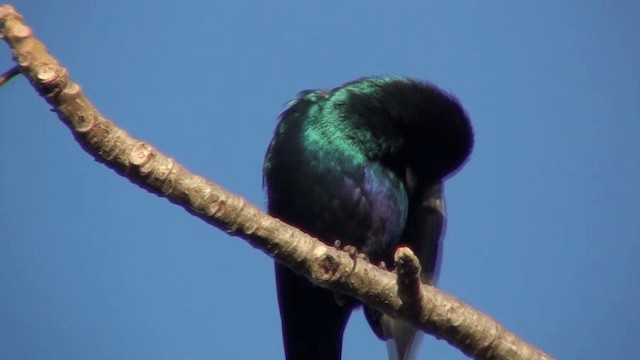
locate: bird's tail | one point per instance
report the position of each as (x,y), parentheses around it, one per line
(402,338)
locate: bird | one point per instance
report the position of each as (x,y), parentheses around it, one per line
(363,164)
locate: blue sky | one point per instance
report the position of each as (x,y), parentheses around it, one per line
(543,232)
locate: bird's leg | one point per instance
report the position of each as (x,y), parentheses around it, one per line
(355,255)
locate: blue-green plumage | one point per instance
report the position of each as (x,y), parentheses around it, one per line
(364,164)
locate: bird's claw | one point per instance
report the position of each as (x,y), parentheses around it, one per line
(351,250)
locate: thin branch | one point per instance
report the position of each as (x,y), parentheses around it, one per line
(9,74)
(440,314)
(408,271)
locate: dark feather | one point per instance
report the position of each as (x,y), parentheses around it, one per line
(364,164)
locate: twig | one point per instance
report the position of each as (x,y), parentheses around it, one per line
(9,74)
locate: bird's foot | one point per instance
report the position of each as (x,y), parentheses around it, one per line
(351,250)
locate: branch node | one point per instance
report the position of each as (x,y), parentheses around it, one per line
(325,268)
(46,74)
(5,11)
(20,32)
(72,89)
(141,154)
(83,121)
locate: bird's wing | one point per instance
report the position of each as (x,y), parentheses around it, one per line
(426,222)
(430,224)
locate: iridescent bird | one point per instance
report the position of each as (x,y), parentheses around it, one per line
(363,163)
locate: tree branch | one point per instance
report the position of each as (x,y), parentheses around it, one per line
(435,312)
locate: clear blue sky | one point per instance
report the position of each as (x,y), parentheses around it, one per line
(543,230)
